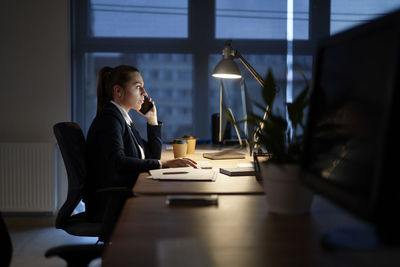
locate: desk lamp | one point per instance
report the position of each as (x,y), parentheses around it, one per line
(228,69)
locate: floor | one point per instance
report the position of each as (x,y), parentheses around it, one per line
(31,236)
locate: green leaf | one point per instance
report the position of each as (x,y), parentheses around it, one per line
(277,138)
(296,108)
(269,90)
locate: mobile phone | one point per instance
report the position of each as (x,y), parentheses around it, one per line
(195,200)
(146,106)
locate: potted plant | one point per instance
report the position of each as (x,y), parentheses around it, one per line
(282,138)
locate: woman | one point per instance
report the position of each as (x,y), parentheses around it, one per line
(116,153)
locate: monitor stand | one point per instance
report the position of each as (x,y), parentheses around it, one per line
(232,142)
(358,238)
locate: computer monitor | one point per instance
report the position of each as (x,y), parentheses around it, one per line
(351,139)
(227,119)
(234,109)
(249,128)
(224,125)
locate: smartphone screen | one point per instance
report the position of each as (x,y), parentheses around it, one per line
(146,106)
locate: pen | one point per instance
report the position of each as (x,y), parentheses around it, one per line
(175,172)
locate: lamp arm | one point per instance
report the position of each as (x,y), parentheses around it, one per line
(253,72)
(260,80)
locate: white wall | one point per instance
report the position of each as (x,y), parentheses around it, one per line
(35,76)
(34,68)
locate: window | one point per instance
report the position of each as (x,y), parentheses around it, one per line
(152,18)
(259,19)
(346,14)
(177,43)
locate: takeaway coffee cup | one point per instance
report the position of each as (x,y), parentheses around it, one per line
(180,148)
(191,143)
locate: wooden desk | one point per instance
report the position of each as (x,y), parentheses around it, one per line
(237,232)
(223,185)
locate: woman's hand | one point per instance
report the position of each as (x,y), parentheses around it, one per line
(175,163)
(151,115)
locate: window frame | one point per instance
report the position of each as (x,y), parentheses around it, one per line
(200,43)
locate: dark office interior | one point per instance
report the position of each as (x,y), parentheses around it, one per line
(52,51)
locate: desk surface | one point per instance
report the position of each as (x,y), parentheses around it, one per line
(223,185)
(237,232)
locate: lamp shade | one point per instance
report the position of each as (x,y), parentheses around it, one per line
(227,69)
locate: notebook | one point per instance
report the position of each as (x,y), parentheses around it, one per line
(225,154)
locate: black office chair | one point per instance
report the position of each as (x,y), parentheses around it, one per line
(6,245)
(71,142)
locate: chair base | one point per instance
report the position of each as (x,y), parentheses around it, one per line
(76,255)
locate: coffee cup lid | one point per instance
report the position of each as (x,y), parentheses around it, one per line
(188,136)
(180,141)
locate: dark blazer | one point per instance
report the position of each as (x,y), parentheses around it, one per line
(113,158)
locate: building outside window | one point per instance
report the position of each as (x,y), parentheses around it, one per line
(176,44)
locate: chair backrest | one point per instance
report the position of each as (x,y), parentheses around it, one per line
(71,142)
(5,242)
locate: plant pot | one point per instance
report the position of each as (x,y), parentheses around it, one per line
(284,192)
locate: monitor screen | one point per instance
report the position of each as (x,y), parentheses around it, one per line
(234,108)
(354,82)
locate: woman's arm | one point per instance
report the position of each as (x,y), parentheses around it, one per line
(111,139)
(153,146)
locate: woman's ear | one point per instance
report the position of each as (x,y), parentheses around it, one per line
(117,90)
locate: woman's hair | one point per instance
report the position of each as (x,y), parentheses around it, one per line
(108,77)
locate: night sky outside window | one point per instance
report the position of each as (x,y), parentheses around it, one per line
(130,18)
(346,14)
(237,19)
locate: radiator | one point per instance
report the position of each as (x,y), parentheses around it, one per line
(27,177)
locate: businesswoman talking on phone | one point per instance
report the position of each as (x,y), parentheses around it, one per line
(116,153)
